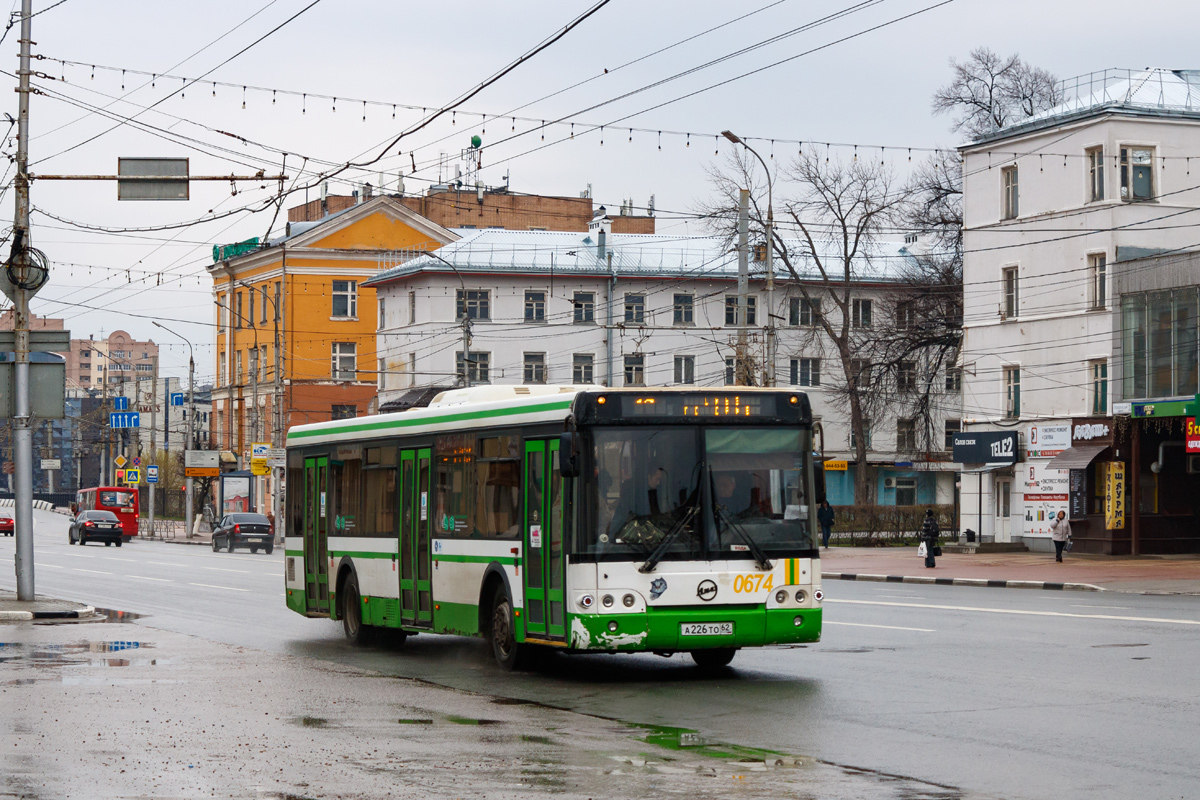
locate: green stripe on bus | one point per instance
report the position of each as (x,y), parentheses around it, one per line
(559,405)
(474,559)
(359,554)
(296,553)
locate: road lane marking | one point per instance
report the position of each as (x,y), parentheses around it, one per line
(96,571)
(1118,608)
(148,578)
(166,564)
(1023,613)
(227,588)
(240,571)
(51,566)
(888,627)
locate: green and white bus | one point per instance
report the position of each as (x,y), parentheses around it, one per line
(579,518)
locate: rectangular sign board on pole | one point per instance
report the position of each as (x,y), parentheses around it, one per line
(177,398)
(47,389)
(986,447)
(120,404)
(1114,496)
(139,175)
(133,475)
(125,419)
(201,464)
(51,463)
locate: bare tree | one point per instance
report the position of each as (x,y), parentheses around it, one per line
(989,91)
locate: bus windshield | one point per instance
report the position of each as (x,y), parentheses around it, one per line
(704,491)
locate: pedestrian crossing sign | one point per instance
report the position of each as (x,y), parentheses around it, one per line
(133,475)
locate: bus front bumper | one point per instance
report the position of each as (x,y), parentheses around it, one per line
(663,629)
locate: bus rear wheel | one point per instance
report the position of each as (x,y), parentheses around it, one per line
(509,654)
(715,658)
(352,621)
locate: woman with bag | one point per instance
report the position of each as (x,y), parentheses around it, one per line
(1060,532)
(929,538)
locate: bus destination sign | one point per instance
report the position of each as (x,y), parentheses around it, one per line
(698,405)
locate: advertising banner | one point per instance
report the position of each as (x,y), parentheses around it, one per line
(1114,496)
(986,447)
(1078,492)
(1193,435)
(1047,441)
(1046,492)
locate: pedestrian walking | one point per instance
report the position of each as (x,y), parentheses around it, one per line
(929,538)
(825,519)
(1060,533)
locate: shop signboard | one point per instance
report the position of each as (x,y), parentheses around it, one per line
(1114,496)
(1193,435)
(1045,492)
(837,466)
(1048,440)
(986,447)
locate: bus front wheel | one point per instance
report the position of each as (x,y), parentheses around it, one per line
(715,658)
(352,621)
(510,654)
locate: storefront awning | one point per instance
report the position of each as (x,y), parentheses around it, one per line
(1077,457)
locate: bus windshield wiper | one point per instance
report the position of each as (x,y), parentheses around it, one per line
(660,551)
(722,513)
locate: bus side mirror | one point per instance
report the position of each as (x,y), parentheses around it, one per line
(568,454)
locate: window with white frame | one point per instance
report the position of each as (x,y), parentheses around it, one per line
(684,310)
(1137,173)
(381,374)
(860,373)
(480,366)
(635,370)
(535,368)
(237,367)
(237,310)
(1010,280)
(1011,195)
(472,304)
(1012,392)
(250,299)
(583,368)
(1097,280)
(906,376)
(275,307)
(731,310)
(860,313)
(535,306)
(222,371)
(951,427)
(345,299)
(866,435)
(381,321)
(906,315)
(222,312)
(806,372)
(906,435)
(635,309)
(804,312)
(1095,165)
(412,308)
(344,366)
(1099,371)
(585,307)
(953,379)
(685,369)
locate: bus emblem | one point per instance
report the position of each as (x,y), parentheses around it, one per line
(657,587)
(707,590)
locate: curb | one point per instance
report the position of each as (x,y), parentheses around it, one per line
(984,582)
(22,616)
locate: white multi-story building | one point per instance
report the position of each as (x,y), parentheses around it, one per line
(1050,205)
(632,310)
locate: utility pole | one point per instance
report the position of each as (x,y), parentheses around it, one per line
(187,444)
(466,326)
(22,433)
(153,438)
(743,283)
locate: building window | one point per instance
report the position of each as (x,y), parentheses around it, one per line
(906,435)
(343,412)
(535,306)
(585,307)
(635,309)
(583,368)
(344,366)
(250,297)
(381,323)
(1161,342)
(906,315)
(237,367)
(85,353)
(731,309)
(1008,176)
(1098,279)
(684,311)
(535,368)
(222,370)
(860,313)
(1011,281)
(685,369)
(1095,162)
(237,310)
(144,367)
(635,370)
(1137,173)
(480,366)
(906,376)
(953,379)
(952,426)
(806,372)
(472,304)
(1003,499)
(278,300)
(804,312)
(866,435)
(1099,387)
(345,299)
(412,308)
(222,313)
(1012,392)
(860,373)
(381,374)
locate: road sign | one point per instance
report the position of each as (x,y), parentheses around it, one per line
(201,464)
(260,466)
(51,463)
(177,398)
(120,404)
(120,461)
(10,468)
(152,179)
(260,449)
(133,476)
(137,461)
(125,419)
(152,474)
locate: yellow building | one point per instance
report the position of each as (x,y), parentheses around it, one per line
(295,327)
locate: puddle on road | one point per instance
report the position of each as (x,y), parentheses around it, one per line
(1139,644)
(312,722)
(72,662)
(113,615)
(415,721)
(471,721)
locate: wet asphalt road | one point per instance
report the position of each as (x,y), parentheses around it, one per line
(1007,693)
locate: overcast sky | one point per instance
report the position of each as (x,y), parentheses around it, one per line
(872,89)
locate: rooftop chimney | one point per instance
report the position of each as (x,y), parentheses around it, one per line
(601,225)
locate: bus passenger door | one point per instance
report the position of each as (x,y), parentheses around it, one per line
(416,598)
(544,609)
(316,554)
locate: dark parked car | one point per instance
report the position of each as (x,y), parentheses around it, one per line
(243,530)
(8,526)
(100,526)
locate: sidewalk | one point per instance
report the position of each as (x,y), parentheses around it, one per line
(1140,575)
(13,610)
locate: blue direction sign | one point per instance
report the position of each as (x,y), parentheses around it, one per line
(121,403)
(151,474)
(125,419)
(176,398)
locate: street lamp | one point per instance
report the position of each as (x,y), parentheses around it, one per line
(466,321)
(187,444)
(770,266)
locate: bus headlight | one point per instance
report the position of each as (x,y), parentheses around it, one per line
(628,600)
(607,600)
(781,597)
(586,601)
(801,596)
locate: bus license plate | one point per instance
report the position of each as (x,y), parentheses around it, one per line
(706,629)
